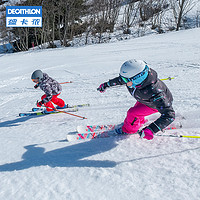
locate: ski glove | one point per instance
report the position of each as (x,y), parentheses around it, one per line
(36,86)
(146,133)
(103,87)
(40,103)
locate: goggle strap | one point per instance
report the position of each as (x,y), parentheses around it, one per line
(124,79)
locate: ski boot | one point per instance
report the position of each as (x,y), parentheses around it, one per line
(65,106)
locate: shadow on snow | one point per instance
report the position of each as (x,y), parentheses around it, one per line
(70,156)
(15,122)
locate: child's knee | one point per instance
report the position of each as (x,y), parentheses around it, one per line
(43,97)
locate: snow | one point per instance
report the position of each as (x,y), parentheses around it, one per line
(36,161)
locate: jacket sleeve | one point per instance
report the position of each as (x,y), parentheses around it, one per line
(115,81)
(50,87)
(164,106)
(48,91)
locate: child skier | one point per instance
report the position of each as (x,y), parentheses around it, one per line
(51,88)
(152,96)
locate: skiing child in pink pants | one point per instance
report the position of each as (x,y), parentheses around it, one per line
(136,117)
(152,96)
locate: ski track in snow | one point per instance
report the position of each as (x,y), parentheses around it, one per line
(36,161)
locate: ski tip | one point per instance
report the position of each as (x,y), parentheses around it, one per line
(80,129)
(83,105)
(65,140)
(71,136)
(80,105)
(72,133)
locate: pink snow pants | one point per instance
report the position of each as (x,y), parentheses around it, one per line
(135,117)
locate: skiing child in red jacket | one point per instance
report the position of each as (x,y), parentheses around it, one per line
(51,88)
(152,96)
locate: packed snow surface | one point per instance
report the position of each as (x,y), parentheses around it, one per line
(37,163)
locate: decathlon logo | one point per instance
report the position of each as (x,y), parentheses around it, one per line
(24,16)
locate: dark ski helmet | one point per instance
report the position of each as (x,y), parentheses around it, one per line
(37,74)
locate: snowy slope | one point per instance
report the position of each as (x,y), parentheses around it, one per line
(36,164)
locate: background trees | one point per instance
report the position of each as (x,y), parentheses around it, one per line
(180,9)
(65,19)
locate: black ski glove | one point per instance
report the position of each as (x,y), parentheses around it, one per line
(36,86)
(39,103)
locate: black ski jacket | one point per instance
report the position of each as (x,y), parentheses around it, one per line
(154,94)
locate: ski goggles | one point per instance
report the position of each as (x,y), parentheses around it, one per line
(137,79)
(35,80)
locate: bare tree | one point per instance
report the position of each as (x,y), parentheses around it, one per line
(159,7)
(50,11)
(68,18)
(130,14)
(106,13)
(89,23)
(113,8)
(180,9)
(198,19)
(145,9)
(3,2)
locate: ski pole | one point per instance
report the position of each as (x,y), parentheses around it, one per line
(180,136)
(62,111)
(37,85)
(66,82)
(169,78)
(70,114)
